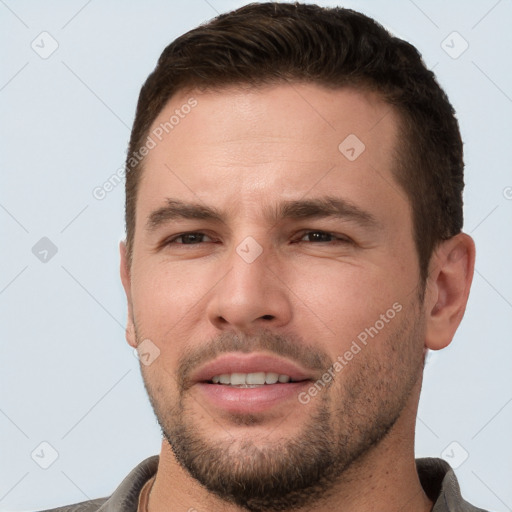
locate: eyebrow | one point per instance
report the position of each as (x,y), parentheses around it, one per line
(300,209)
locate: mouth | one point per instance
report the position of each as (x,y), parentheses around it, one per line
(250,383)
(254,369)
(251,380)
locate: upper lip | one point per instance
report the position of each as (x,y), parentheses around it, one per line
(249,363)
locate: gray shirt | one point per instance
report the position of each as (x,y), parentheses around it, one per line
(436,476)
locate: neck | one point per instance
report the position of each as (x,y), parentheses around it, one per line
(384,479)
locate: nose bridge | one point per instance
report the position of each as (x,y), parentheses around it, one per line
(248,281)
(251,293)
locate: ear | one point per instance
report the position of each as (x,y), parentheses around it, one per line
(449,281)
(127,285)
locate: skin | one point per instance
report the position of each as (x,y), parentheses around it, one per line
(245,150)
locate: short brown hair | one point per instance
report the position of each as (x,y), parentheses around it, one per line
(270,43)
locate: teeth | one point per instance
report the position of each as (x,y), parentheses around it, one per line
(255,378)
(250,379)
(237,379)
(271,378)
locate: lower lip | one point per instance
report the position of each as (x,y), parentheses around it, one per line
(251,400)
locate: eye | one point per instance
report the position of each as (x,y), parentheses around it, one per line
(191,238)
(323,236)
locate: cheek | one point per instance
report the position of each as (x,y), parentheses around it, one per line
(164,294)
(346,299)
(161,386)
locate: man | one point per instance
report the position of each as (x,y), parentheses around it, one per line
(294,247)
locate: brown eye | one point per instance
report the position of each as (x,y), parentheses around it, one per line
(188,239)
(318,236)
(322,236)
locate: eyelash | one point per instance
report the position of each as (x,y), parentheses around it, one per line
(341,239)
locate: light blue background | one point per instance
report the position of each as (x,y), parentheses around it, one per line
(67,375)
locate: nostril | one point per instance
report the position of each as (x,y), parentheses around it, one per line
(267,317)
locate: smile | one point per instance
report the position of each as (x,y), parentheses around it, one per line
(250,379)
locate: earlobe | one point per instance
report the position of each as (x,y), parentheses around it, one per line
(449,282)
(126,280)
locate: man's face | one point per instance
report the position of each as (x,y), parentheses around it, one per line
(274,285)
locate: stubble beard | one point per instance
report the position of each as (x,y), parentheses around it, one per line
(347,420)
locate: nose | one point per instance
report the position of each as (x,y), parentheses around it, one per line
(251,295)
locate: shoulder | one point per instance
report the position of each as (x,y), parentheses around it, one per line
(441,486)
(124,498)
(83,506)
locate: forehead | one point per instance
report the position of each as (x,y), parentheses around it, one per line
(256,115)
(240,146)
